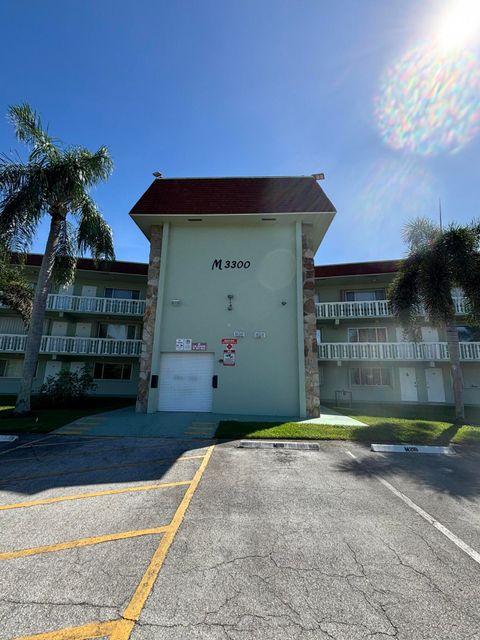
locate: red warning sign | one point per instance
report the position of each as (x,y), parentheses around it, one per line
(229,341)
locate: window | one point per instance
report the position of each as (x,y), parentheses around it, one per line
(3,368)
(318,334)
(367,295)
(469,334)
(368,334)
(370,376)
(112,371)
(117,331)
(127,294)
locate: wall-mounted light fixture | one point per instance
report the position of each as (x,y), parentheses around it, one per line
(284,302)
(230,304)
(175,302)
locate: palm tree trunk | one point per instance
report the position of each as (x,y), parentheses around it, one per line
(457,375)
(35,331)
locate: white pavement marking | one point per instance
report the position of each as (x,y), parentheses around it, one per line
(413,448)
(426,516)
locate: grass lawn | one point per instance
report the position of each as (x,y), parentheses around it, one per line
(45,420)
(379,429)
(437,413)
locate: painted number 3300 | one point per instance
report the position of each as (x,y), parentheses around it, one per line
(220,264)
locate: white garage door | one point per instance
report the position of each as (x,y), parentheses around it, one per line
(185,382)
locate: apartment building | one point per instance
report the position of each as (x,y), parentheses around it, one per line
(96,322)
(363,353)
(227,315)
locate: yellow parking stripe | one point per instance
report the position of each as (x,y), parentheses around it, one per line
(88,469)
(122,630)
(93,494)
(82,542)
(136,604)
(85,632)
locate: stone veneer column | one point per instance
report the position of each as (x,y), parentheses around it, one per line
(149,318)
(312,381)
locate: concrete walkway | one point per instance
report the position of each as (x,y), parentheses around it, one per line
(331,417)
(165,424)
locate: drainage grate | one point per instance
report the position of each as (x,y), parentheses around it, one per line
(297,446)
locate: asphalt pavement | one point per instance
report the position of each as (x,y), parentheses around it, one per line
(151,538)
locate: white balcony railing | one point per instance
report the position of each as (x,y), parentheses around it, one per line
(73,345)
(426,351)
(84,304)
(369,309)
(11,343)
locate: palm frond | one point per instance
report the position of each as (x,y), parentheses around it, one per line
(22,204)
(65,254)
(93,234)
(435,285)
(13,173)
(404,296)
(462,244)
(29,129)
(15,291)
(90,168)
(420,233)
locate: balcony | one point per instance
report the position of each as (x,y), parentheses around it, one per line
(84,304)
(368,309)
(419,351)
(73,345)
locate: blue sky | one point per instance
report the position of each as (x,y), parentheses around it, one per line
(257,87)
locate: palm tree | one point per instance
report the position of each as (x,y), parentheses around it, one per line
(54,183)
(15,290)
(437,262)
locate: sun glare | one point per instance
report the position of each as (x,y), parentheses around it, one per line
(460,26)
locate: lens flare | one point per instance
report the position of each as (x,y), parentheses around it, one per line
(429,101)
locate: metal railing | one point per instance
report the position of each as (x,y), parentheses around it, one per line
(426,351)
(369,309)
(84,304)
(73,345)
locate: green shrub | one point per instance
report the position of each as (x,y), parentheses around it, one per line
(66,389)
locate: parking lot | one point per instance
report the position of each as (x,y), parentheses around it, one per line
(274,544)
(85,527)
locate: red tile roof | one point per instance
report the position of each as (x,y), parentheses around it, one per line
(117,266)
(357,268)
(207,196)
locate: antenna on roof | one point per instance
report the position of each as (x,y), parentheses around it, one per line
(157,174)
(318,176)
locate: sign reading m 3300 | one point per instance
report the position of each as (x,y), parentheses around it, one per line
(220,264)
